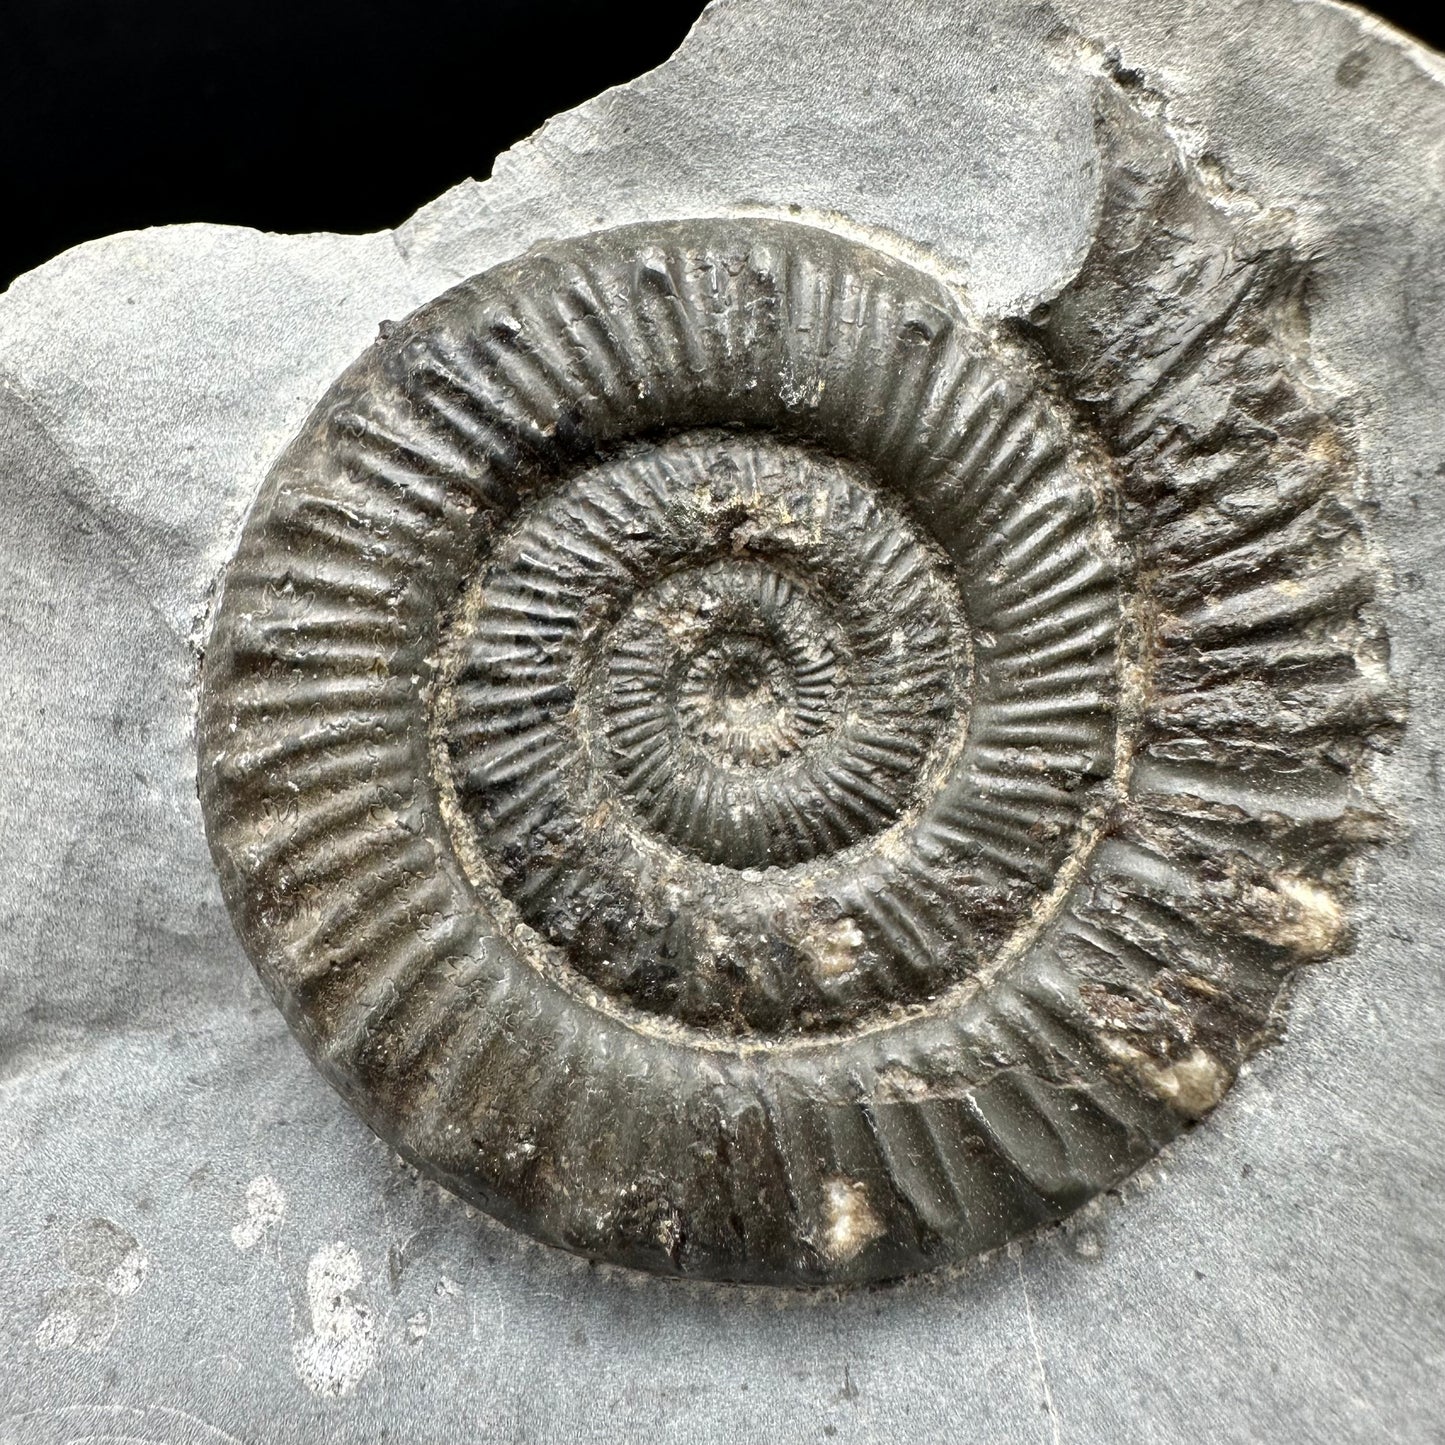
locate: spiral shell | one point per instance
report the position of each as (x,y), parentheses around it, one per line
(728,769)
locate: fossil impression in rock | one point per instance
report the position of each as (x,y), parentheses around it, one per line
(742,769)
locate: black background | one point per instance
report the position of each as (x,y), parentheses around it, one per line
(301,115)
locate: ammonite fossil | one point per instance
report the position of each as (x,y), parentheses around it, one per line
(742,769)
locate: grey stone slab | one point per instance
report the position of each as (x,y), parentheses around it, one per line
(265,1269)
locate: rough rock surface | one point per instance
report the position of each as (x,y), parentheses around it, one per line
(201,1242)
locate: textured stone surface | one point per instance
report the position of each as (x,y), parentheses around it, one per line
(263,1268)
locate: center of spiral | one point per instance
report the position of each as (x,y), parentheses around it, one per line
(750,709)
(736,699)
(721,676)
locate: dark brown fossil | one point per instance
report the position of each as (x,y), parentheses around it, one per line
(742,770)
